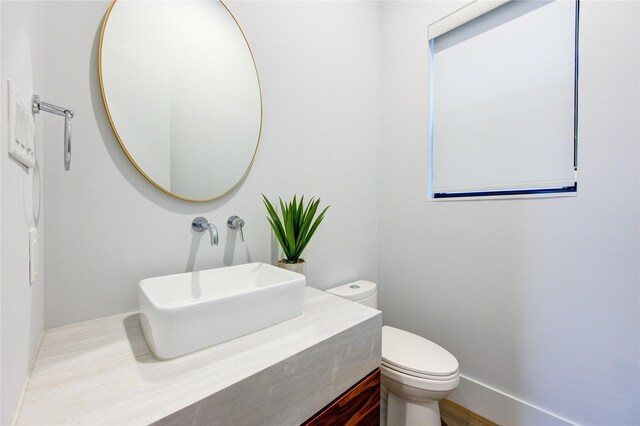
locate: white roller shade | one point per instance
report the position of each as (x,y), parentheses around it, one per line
(462,16)
(503,100)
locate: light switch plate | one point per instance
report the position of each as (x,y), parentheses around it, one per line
(21,138)
(33,254)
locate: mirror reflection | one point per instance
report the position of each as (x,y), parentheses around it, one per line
(182,93)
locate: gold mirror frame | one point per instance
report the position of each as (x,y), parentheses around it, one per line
(124,148)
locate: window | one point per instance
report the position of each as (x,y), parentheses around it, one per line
(504,99)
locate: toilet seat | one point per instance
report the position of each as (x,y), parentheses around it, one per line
(442,385)
(414,357)
(415,374)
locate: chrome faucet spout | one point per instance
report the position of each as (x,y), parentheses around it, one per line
(213,233)
(200,224)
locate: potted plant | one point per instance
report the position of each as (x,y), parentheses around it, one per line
(294,228)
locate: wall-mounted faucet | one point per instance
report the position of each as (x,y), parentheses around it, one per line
(200,224)
(235,222)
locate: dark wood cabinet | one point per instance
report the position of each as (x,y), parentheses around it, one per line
(360,405)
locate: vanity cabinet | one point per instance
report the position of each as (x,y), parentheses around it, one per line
(360,405)
(280,375)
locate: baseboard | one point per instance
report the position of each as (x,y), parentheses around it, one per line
(32,363)
(500,407)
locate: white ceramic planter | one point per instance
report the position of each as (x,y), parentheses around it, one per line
(300,267)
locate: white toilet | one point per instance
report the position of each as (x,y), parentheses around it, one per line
(416,372)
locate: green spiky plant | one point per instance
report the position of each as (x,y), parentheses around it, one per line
(295,227)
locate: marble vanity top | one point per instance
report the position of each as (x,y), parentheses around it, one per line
(102,371)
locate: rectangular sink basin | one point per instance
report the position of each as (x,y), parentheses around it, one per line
(187,312)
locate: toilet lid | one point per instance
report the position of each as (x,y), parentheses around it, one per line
(354,291)
(413,353)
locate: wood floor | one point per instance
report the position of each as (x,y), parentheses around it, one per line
(452,414)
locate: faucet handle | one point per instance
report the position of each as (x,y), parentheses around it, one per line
(199,224)
(236,222)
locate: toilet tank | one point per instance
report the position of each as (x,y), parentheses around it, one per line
(363,292)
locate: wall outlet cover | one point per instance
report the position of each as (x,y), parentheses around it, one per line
(33,254)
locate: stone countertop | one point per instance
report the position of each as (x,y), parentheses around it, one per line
(103,372)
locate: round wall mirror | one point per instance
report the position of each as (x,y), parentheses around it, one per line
(181,90)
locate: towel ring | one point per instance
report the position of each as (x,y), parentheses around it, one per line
(37,106)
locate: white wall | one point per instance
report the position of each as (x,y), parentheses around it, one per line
(107,227)
(20,207)
(537,298)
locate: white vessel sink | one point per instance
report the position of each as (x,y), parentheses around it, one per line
(186,312)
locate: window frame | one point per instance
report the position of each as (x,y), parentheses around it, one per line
(509,193)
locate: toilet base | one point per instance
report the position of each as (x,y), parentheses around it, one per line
(402,412)
(407,405)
